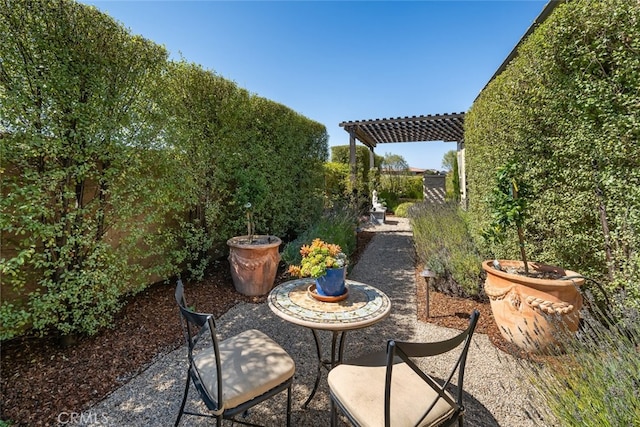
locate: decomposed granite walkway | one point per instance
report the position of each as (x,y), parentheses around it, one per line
(494,394)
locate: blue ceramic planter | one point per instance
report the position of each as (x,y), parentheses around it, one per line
(332,283)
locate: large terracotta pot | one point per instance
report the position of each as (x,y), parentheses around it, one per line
(254,265)
(533,313)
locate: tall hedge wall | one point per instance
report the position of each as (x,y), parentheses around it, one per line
(118,166)
(78,129)
(232,148)
(566,111)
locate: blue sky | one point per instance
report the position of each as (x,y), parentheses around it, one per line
(335,61)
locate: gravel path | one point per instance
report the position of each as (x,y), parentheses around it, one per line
(494,396)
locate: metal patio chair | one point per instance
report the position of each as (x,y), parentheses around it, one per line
(387,388)
(252,366)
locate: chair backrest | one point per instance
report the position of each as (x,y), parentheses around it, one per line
(407,350)
(198,326)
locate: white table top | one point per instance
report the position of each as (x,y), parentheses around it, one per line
(364,306)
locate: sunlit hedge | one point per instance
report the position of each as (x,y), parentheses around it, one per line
(233,149)
(566,110)
(119,167)
(78,130)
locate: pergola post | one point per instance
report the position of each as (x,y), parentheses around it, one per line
(462,173)
(352,159)
(373,172)
(372,159)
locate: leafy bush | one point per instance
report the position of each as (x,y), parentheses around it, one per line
(79,164)
(119,168)
(509,208)
(338,227)
(566,113)
(398,188)
(412,187)
(340,154)
(403,208)
(336,182)
(231,146)
(595,383)
(444,245)
(389,200)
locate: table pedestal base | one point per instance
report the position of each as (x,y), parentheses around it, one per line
(337,341)
(364,306)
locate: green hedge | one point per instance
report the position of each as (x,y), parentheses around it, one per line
(234,148)
(565,110)
(336,182)
(364,180)
(119,167)
(78,129)
(403,186)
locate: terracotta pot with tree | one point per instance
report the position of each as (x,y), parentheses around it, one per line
(536,306)
(254,260)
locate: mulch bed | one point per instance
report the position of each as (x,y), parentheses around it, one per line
(453,312)
(40,378)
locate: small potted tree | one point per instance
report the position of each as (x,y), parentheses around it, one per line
(253,259)
(532,303)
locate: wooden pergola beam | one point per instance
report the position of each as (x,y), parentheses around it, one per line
(438,127)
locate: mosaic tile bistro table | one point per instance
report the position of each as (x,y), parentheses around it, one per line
(364,306)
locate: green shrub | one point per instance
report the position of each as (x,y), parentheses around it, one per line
(566,113)
(231,147)
(396,189)
(403,208)
(389,200)
(336,182)
(119,168)
(411,187)
(364,178)
(596,382)
(444,245)
(78,163)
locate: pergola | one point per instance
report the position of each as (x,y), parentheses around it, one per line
(438,127)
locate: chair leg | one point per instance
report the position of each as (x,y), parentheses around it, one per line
(289,406)
(333,413)
(184,400)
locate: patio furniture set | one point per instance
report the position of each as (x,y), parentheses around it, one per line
(386,388)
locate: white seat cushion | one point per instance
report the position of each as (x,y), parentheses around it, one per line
(252,364)
(359,386)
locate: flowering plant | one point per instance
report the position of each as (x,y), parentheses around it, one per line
(317,258)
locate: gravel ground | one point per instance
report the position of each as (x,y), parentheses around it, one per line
(494,394)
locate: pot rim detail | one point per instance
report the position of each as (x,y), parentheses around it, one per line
(237,241)
(572,278)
